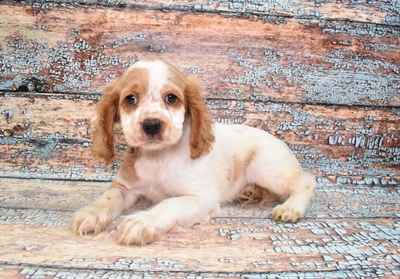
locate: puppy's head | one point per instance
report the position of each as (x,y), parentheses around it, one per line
(153,101)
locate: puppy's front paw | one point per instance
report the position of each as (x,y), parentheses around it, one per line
(91,219)
(286,213)
(140,229)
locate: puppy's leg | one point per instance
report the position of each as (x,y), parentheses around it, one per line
(300,196)
(147,226)
(97,216)
(287,180)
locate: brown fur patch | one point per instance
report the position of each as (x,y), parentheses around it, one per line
(170,88)
(249,157)
(107,116)
(128,170)
(202,134)
(134,83)
(240,165)
(235,170)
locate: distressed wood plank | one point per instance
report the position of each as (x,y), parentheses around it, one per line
(330,202)
(37,272)
(315,61)
(227,245)
(48,136)
(384,11)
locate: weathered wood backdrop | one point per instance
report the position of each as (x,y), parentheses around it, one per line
(322,75)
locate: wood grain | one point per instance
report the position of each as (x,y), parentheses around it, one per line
(38,237)
(383,12)
(48,136)
(57,49)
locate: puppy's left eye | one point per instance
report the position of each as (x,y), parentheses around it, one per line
(131,100)
(171,99)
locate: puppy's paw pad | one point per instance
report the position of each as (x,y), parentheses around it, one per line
(90,219)
(139,229)
(286,213)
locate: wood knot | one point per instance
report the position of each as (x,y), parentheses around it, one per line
(7,133)
(26,84)
(157,48)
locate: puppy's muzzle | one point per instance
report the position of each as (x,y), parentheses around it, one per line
(151,126)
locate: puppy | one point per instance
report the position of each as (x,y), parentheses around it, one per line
(182,161)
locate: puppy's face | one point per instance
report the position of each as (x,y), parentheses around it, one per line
(153,101)
(152,105)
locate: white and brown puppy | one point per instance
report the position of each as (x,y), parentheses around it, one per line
(181,160)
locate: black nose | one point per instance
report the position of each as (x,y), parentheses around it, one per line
(151,126)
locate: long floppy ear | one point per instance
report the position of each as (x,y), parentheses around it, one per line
(202,134)
(107,116)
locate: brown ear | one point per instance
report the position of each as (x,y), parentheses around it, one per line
(107,116)
(202,135)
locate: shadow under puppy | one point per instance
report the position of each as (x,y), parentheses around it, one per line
(181,160)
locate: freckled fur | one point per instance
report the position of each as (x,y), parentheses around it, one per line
(190,167)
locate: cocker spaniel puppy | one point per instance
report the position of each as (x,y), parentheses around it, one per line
(178,158)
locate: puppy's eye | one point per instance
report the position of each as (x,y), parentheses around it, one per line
(131,100)
(171,99)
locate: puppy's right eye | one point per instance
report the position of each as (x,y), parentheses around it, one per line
(131,100)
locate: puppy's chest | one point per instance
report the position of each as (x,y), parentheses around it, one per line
(160,179)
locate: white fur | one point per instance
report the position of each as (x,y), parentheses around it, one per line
(191,190)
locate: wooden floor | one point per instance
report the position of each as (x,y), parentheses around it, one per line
(348,232)
(323,75)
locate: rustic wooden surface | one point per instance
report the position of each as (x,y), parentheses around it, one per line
(347,232)
(75,49)
(322,75)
